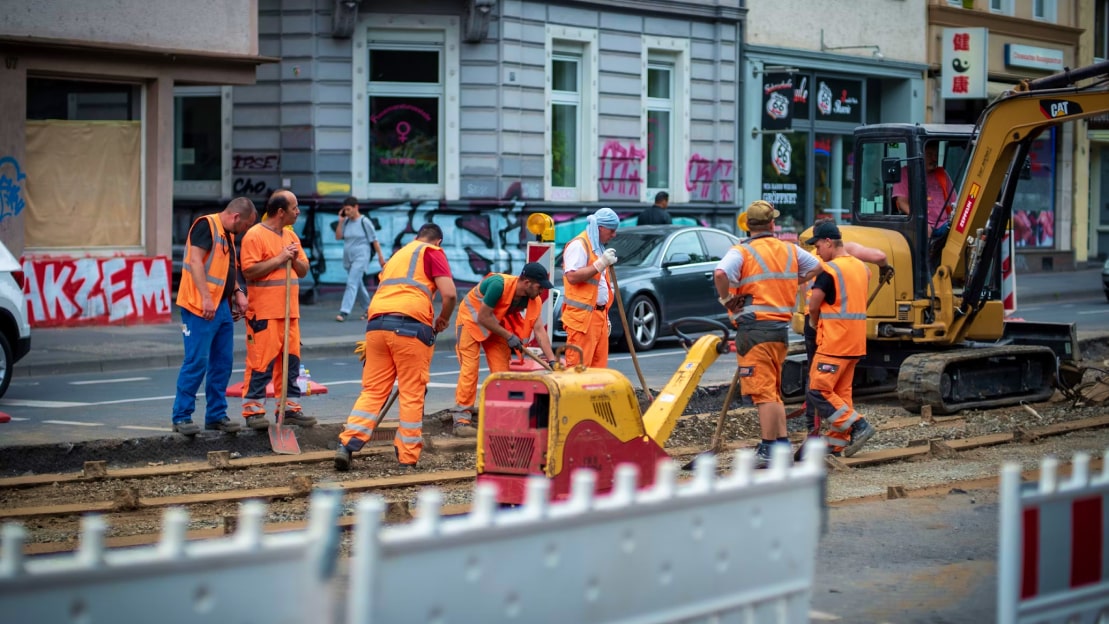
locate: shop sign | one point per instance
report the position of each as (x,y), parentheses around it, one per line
(965,61)
(777,101)
(838,99)
(1049,59)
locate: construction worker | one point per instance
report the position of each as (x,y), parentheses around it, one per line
(837,310)
(757,281)
(497,316)
(587,290)
(400,339)
(866,254)
(267,249)
(211,300)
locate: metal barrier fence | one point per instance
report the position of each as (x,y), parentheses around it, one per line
(739,547)
(1053,559)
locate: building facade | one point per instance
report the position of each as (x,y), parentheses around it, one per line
(89,138)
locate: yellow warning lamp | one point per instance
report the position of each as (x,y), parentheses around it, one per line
(542,225)
(741,221)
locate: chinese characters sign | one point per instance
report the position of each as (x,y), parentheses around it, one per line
(964,63)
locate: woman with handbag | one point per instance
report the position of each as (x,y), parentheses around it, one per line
(359,245)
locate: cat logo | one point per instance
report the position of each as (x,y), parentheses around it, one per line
(1057,109)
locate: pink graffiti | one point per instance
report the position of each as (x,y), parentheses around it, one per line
(702,176)
(620,167)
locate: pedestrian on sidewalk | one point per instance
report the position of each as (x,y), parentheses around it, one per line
(211,300)
(268,249)
(837,310)
(497,316)
(585,264)
(400,340)
(757,281)
(359,245)
(657,214)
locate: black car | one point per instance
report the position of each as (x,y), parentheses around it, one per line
(1104,278)
(665,273)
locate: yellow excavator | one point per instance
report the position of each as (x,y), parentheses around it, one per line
(938,333)
(553,422)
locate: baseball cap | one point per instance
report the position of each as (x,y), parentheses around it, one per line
(824,229)
(761,212)
(537,272)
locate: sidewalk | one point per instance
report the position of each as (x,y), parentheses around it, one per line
(105,348)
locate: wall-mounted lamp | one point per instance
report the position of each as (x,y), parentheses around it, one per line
(875,49)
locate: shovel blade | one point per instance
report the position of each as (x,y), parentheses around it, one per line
(283,441)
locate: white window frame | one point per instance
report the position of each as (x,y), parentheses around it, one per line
(416,32)
(1104,27)
(673,52)
(578,41)
(207,189)
(1050,11)
(1005,7)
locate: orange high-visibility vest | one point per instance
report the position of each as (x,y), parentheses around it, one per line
(520,324)
(405,287)
(581,299)
(216,263)
(767,279)
(842,330)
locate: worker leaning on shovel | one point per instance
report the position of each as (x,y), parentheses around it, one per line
(266,250)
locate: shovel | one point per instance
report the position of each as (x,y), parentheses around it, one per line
(628,333)
(718,435)
(282,439)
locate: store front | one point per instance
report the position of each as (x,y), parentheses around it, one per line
(801,157)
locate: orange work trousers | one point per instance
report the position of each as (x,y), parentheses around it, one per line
(760,372)
(829,393)
(497,355)
(593,342)
(263,365)
(391,358)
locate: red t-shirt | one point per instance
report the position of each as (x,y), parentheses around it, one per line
(435,264)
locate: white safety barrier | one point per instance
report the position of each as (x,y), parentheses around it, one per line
(736,548)
(739,548)
(1053,560)
(246,577)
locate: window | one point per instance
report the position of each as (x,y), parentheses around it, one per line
(666,126)
(717,244)
(405,136)
(201,120)
(1101,30)
(571,115)
(660,113)
(1043,10)
(84,165)
(834,176)
(686,244)
(1004,7)
(875,195)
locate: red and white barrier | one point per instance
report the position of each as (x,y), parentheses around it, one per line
(1053,560)
(1008,276)
(544,254)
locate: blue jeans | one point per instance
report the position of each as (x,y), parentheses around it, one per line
(209,350)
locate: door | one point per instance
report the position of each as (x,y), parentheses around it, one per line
(682,286)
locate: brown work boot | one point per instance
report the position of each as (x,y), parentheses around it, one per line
(257,422)
(186,428)
(464,429)
(342,458)
(297,417)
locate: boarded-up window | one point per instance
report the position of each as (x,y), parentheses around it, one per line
(83,184)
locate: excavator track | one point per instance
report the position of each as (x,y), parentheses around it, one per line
(986,377)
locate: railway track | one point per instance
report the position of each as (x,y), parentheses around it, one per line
(133,499)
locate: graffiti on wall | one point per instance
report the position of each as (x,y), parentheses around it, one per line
(97,291)
(620,176)
(255,173)
(11,188)
(709,180)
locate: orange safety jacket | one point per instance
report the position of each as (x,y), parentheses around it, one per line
(768,278)
(842,329)
(581,299)
(216,263)
(405,287)
(520,324)
(266,296)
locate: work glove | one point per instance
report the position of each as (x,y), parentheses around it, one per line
(516,344)
(607,259)
(885,273)
(360,350)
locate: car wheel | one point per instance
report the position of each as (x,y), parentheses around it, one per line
(6,364)
(644,322)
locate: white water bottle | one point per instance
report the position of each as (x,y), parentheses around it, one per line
(304,380)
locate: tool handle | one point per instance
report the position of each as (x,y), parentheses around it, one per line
(628,333)
(285,344)
(536,358)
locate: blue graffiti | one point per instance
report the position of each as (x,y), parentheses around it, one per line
(11,189)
